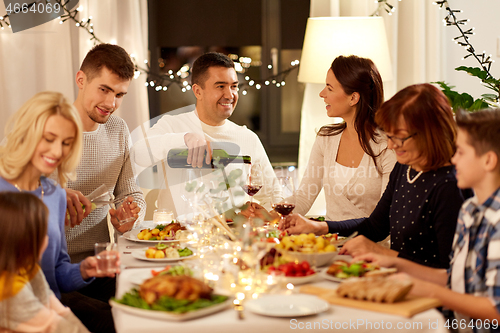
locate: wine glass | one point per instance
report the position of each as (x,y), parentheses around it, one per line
(254,181)
(284,203)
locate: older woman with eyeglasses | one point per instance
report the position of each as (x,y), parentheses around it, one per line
(420,205)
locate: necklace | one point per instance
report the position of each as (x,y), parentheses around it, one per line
(411,181)
(39,182)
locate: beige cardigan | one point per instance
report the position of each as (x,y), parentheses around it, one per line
(361,194)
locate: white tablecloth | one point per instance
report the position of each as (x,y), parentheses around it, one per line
(336,318)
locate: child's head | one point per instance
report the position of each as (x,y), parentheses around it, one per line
(478,146)
(23,219)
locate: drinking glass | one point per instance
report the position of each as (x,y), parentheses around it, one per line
(284,203)
(254,181)
(107,255)
(101,196)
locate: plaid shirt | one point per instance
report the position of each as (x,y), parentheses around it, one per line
(482,266)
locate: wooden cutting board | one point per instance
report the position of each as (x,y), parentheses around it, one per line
(407,308)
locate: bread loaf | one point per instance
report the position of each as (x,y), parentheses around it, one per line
(375,289)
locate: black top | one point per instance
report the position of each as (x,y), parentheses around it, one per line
(420,217)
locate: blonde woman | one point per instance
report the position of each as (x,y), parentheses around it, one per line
(45,134)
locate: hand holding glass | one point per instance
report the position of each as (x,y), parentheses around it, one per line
(107,256)
(284,203)
(254,181)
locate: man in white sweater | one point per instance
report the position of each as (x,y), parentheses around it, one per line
(215,86)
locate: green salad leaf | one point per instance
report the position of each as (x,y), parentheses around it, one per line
(169,304)
(185,252)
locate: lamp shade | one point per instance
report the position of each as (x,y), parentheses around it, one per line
(328,37)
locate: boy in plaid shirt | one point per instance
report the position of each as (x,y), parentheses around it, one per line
(471,286)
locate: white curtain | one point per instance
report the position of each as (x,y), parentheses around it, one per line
(415,35)
(48,56)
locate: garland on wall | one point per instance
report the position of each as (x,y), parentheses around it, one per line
(465,100)
(161,82)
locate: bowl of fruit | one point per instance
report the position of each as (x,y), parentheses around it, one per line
(317,251)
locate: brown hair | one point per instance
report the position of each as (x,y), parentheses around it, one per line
(359,75)
(24,222)
(204,62)
(113,57)
(483,128)
(427,113)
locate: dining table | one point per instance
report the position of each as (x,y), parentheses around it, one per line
(336,317)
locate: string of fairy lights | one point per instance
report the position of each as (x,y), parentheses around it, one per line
(463,39)
(162,81)
(383,6)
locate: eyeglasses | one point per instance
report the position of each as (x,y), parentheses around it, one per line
(398,141)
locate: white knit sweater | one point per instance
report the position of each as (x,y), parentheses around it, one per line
(169,133)
(105,160)
(361,194)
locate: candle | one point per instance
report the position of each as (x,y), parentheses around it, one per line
(162,216)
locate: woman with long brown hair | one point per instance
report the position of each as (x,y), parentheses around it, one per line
(349,160)
(420,205)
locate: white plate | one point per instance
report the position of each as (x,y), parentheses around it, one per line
(132,236)
(296,280)
(287,305)
(139,277)
(141,255)
(170,315)
(329,277)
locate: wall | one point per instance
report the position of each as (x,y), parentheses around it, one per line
(483,15)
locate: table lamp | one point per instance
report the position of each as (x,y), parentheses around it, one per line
(328,37)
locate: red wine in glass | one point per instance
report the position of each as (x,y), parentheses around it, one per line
(251,190)
(284,208)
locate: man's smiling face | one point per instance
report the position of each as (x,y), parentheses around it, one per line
(101,96)
(218,97)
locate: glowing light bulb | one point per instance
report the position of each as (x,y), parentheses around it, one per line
(257,86)
(183,89)
(165,88)
(136,74)
(247,78)
(151,83)
(269,66)
(266,83)
(251,83)
(278,85)
(244,92)
(146,84)
(145,61)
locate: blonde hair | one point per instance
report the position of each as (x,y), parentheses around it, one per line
(24,130)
